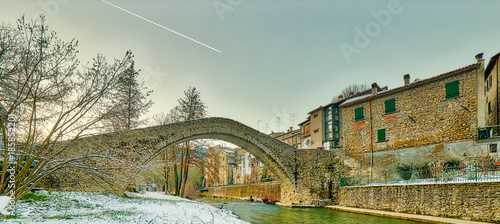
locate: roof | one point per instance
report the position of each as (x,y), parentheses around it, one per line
(312,111)
(412,85)
(491,64)
(303,122)
(344,100)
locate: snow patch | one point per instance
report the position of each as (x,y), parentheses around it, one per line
(91,208)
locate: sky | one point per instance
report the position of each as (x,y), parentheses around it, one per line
(256,60)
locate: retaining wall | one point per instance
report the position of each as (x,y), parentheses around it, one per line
(468,201)
(270,190)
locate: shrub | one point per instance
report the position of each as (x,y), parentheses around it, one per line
(436,169)
(405,171)
(452,163)
(450,175)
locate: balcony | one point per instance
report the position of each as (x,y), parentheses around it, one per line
(488,132)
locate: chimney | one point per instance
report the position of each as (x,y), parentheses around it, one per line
(407,79)
(291,129)
(479,57)
(351,93)
(340,97)
(374,88)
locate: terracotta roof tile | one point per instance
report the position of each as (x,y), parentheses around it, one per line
(412,84)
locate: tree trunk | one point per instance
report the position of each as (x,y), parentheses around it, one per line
(186,169)
(176,182)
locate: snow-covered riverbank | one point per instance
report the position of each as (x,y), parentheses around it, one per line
(80,207)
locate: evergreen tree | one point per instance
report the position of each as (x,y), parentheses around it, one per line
(130,101)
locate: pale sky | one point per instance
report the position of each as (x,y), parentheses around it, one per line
(279,57)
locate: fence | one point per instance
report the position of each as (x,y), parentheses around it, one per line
(253,181)
(468,170)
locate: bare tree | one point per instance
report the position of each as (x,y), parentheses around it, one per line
(190,107)
(47,100)
(354,88)
(173,116)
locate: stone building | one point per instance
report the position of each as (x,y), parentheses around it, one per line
(489,135)
(290,137)
(492,100)
(427,120)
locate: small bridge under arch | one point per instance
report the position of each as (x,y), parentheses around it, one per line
(305,175)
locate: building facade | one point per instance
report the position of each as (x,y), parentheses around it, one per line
(431,119)
(290,137)
(305,134)
(492,100)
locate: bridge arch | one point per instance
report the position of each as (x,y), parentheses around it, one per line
(276,155)
(304,174)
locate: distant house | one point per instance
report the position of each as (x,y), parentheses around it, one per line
(305,134)
(221,162)
(290,137)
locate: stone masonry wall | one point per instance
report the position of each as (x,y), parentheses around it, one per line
(271,191)
(467,201)
(317,175)
(492,98)
(423,117)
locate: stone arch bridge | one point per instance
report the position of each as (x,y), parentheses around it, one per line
(306,175)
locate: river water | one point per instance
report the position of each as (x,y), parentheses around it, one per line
(259,213)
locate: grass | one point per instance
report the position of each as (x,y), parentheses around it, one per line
(34,196)
(115,214)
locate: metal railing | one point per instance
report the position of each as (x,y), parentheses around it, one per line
(254,181)
(469,170)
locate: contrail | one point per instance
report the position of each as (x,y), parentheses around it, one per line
(159,25)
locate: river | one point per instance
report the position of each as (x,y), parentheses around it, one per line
(259,213)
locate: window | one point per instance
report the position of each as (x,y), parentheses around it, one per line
(489,82)
(451,89)
(315,115)
(328,130)
(489,107)
(493,148)
(316,131)
(328,114)
(329,135)
(336,131)
(381,135)
(390,105)
(358,114)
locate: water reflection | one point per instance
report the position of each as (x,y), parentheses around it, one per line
(261,214)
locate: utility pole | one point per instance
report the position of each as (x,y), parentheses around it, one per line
(279,121)
(258,125)
(266,129)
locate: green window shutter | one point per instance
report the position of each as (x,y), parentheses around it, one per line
(358,114)
(381,135)
(452,89)
(390,105)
